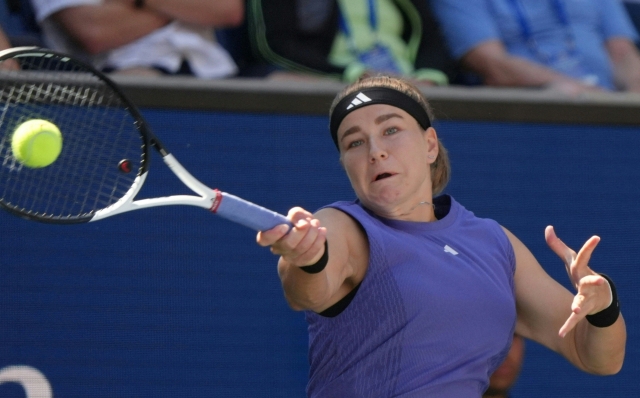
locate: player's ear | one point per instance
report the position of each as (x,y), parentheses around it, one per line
(431,138)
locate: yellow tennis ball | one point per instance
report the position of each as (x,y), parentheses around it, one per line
(36,143)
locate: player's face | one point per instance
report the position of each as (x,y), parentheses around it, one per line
(386,156)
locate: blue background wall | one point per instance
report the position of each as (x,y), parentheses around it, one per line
(171,301)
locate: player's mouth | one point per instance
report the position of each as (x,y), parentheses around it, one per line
(383,176)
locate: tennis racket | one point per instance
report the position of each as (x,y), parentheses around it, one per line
(106,148)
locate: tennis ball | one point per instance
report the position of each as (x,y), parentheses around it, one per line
(36,143)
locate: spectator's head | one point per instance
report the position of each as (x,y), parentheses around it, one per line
(506,375)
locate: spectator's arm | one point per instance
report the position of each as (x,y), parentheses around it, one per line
(99,28)
(626,63)
(497,67)
(219,13)
(4,41)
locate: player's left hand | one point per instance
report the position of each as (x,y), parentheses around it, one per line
(594,293)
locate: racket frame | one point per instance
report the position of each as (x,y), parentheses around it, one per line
(226,205)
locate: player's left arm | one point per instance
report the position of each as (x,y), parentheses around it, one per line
(551,315)
(625,59)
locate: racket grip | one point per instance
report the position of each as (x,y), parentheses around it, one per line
(246,213)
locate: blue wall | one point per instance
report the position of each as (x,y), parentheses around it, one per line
(173,302)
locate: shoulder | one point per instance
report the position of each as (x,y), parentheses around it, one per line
(614,18)
(484,235)
(344,212)
(335,216)
(465,24)
(341,226)
(525,261)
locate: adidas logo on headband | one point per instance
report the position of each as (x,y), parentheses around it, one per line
(376,95)
(359,99)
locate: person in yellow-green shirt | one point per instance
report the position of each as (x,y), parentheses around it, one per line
(349,39)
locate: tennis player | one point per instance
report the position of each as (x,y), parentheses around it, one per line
(408,294)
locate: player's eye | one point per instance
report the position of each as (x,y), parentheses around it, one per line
(355,143)
(391,131)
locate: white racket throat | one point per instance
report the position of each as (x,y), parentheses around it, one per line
(208,199)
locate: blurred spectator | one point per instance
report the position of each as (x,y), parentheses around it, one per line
(571,45)
(346,39)
(4,41)
(19,24)
(503,379)
(142,37)
(236,41)
(633,9)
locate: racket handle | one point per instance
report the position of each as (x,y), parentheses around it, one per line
(246,213)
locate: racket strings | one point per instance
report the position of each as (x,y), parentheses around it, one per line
(98,132)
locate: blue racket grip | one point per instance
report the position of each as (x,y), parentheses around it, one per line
(246,213)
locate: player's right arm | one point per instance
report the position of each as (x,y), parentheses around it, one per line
(305,244)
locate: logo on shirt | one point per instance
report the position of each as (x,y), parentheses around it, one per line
(448,249)
(359,99)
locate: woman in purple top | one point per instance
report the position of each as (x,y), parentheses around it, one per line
(408,294)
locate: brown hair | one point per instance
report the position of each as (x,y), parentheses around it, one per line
(441,168)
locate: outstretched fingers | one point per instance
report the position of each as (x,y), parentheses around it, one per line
(584,255)
(558,247)
(588,300)
(590,297)
(576,264)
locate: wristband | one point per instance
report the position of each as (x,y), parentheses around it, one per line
(138,3)
(609,315)
(320,264)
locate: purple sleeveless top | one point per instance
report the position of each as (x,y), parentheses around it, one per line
(433,316)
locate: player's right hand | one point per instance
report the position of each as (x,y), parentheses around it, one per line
(301,245)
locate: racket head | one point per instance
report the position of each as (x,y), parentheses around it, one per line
(105,150)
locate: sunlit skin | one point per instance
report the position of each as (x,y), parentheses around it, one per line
(384,151)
